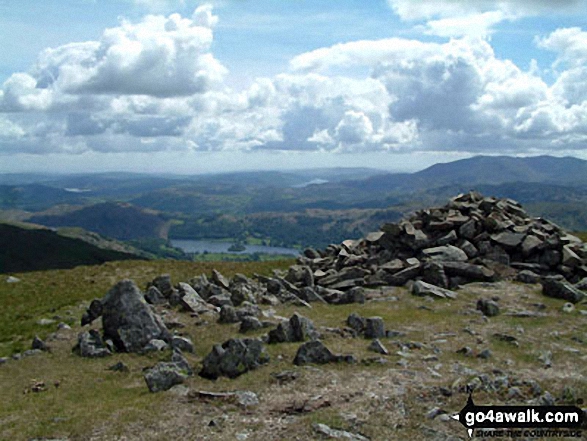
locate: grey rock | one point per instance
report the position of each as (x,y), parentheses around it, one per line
(250,323)
(163,376)
(309,294)
(39,344)
(220,300)
(241,293)
(219,280)
(155,345)
(527,276)
(119,367)
(508,239)
(468,271)
(377,346)
(12,279)
(531,244)
(228,315)
(374,327)
(489,308)
(63,326)
(31,352)
(298,328)
(570,258)
(234,358)
(401,277)
(433,273)
(163,284)
(582,284)
(184,344)
(154,296)
(313,352)
(93,312)
(90,344)
(446,253)
(190,300)
(561,290)
(356,322)
(128,320)
(420,288)
(324,430)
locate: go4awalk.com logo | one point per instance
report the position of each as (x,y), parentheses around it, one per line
(518,421)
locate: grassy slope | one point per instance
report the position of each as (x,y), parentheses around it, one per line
(92,400)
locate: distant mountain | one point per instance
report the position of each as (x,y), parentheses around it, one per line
(488,170)
(36,197)
(117,220)
(35,249)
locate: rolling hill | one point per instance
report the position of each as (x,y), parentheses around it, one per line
(35,249)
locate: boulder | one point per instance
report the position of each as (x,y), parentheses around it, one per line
(250,323)
(356,322)
(420,288)
(313,352)
(90,344)
(190,300)
(377,346)
(163,284)
(219,280)
(154,296)
(489,308)
(163,376)
(228,315)
(561,290)
(234,358)
(128,320)
(374,327)
(298,328)
(39,344)
(184,344)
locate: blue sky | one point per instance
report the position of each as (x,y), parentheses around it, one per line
(187,86)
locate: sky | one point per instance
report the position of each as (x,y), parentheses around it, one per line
(184,86)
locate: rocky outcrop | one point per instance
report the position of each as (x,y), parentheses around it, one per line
(128,320)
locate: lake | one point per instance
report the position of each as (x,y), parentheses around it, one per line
(212,246)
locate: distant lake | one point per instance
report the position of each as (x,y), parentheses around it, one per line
(212,246)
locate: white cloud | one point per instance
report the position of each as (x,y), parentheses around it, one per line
(451,18)
(156,86)
(159,56)
(475,25)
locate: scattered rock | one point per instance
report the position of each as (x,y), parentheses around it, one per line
(90,344)
(119,367)
(377,346)
(155,345)
(164,376)
(184,344)
(326,431)
(39,344)
(420,288)
(233,358)
(298,328)
(489,308)
(313,352)
(374,327)
(250,323)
